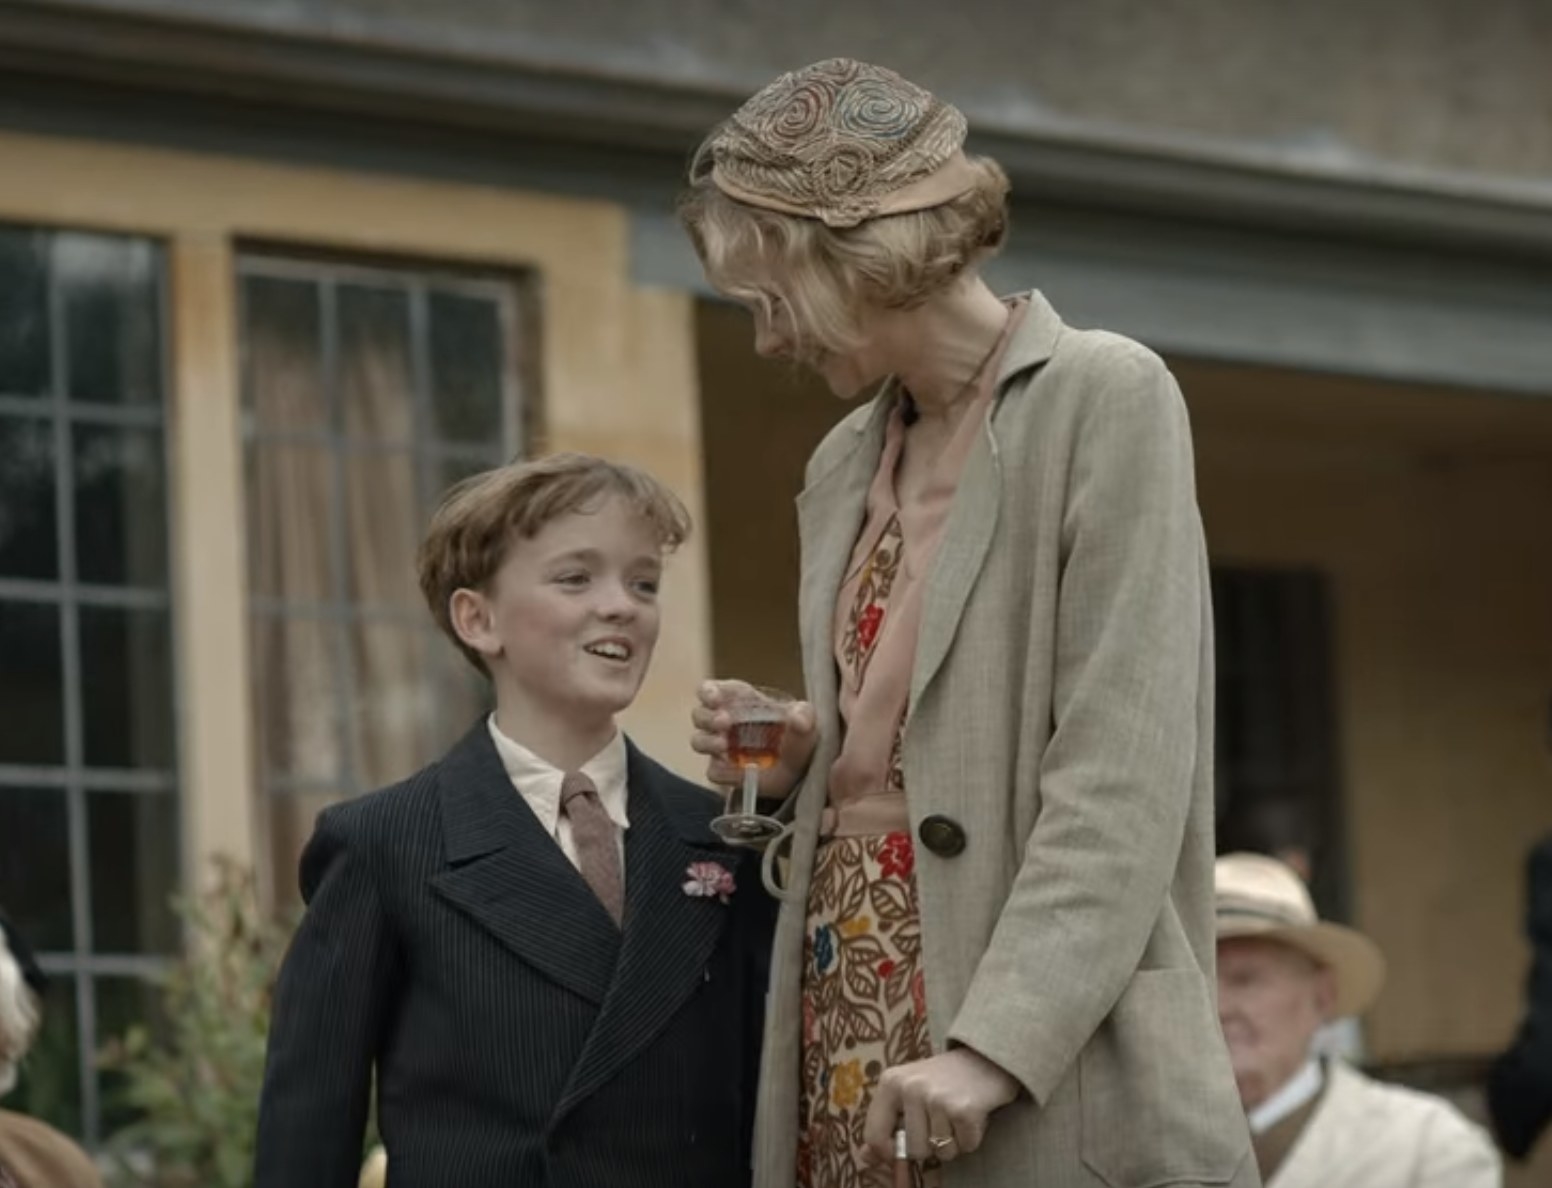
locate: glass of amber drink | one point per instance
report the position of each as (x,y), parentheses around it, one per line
(754,743)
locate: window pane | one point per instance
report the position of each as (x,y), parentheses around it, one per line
(1277,771)
(381,530)
(466,368)
(35,865)
(32,684)
(290,494)
(120,506)
(377,383)
(132,844)
(126,695)
(282,344)
(123,1003)
(112,317)
(445,473)
(453,470)
(299,699)
(50,1085)
(24,325)
(395,705)
(29,542)
(291,822)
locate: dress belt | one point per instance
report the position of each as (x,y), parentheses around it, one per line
(866,816)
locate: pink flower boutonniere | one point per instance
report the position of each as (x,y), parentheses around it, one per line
(705,879)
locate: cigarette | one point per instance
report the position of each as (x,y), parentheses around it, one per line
(902,1161)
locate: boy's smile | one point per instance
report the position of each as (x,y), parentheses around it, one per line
(568,626)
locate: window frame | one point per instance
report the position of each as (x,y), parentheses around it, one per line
(68,594)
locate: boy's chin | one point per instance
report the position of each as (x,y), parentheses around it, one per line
(588,704)
(611,699)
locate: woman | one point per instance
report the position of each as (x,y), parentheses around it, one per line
(1007,648)
(32,1154)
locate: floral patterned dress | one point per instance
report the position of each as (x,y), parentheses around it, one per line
(864,1005)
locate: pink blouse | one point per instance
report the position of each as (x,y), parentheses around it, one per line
(878,617)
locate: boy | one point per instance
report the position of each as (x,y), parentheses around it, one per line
(553,966)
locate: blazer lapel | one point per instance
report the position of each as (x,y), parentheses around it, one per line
(510,877)
(972,522)
(669,934)
(967,536)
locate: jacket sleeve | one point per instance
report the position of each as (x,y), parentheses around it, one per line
(330,1003)
(1519,1087)
(1116,779)
(1454,1153)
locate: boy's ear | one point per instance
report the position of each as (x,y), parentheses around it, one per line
(472,619)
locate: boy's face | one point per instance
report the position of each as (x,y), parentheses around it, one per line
(570,619)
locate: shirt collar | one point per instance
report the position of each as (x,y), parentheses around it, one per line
(539,781)
(1301,1089)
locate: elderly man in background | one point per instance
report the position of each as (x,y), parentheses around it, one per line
(1315,1121)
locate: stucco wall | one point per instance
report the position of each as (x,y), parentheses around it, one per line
(1432,83)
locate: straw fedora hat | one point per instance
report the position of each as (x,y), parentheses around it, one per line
(1263,898)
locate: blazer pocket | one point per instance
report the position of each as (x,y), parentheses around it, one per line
(1157,1091)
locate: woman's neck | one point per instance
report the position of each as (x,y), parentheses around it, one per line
(945,345)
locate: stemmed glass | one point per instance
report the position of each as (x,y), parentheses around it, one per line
(754,743)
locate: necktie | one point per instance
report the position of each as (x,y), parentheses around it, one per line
(592,834)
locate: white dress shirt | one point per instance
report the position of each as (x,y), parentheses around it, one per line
(538,782)
(1301,1089)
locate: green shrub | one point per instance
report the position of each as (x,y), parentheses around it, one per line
(192,1081)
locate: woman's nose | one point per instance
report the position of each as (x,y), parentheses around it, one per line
(770,343)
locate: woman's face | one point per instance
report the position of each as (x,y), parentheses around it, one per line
(848,372)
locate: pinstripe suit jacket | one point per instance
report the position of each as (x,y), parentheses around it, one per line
(518,1037)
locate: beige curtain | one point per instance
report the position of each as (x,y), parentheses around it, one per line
(297,697)
(395,704)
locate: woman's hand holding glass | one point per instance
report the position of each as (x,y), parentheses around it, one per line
(715,714)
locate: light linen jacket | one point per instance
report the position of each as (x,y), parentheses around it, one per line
(1368,1135)
(1061,713)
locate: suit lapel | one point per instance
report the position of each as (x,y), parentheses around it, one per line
(510,877)
(669,935)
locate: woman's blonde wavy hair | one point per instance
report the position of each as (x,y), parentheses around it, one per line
(827,276)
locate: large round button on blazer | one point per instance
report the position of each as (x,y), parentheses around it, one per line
(944,836)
